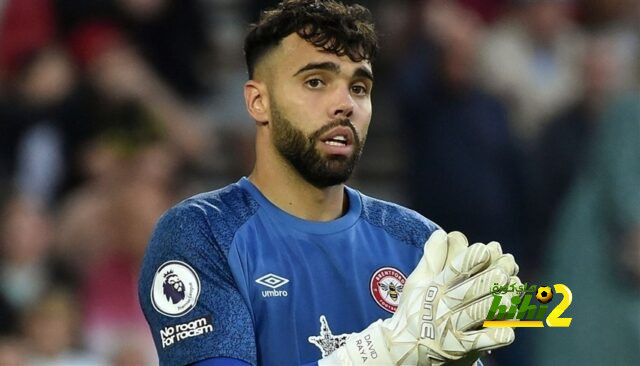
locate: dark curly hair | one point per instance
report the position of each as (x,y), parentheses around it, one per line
(336,28)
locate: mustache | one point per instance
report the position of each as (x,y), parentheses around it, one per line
(345,122)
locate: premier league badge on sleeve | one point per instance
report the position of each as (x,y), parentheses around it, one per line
(175,289)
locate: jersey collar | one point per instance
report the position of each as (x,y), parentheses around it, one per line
(314,227)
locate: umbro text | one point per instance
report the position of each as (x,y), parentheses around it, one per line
(274,293)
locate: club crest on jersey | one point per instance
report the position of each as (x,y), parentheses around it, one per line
(386,287)
(175,289)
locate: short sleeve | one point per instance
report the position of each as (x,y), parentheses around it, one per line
(188,293)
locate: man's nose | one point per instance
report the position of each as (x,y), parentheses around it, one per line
(343,105)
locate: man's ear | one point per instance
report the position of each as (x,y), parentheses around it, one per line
(257,101)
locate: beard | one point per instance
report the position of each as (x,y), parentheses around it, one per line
(320,170)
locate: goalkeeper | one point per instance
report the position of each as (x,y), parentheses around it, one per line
(290,266)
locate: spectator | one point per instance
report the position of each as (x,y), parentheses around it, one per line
(463,168)
(564,143)
(128,353)
(12,352)
(124,83)
(489,10)
(618,22)
(595,251)
(51,329)
(40,126)
(104,230)
(531,61)
(169,36)
(27,265)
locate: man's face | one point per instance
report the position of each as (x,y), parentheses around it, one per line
(320,110)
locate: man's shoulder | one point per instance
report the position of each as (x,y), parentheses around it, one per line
(219,212)
(400,222)
(227,201)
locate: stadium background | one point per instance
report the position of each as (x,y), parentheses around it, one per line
(506,120)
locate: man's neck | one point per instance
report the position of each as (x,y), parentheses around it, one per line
(286,189)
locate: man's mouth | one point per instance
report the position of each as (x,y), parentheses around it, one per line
(339,140)
(338,136)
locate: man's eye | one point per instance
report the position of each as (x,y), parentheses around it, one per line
(314,83)
(359,90)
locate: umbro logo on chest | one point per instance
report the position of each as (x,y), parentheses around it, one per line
(274,282)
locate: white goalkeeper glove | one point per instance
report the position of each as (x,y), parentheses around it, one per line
(443,300)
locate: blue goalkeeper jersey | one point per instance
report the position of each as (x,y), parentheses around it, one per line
(229,274)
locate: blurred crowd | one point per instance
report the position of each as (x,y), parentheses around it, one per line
(509,120)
